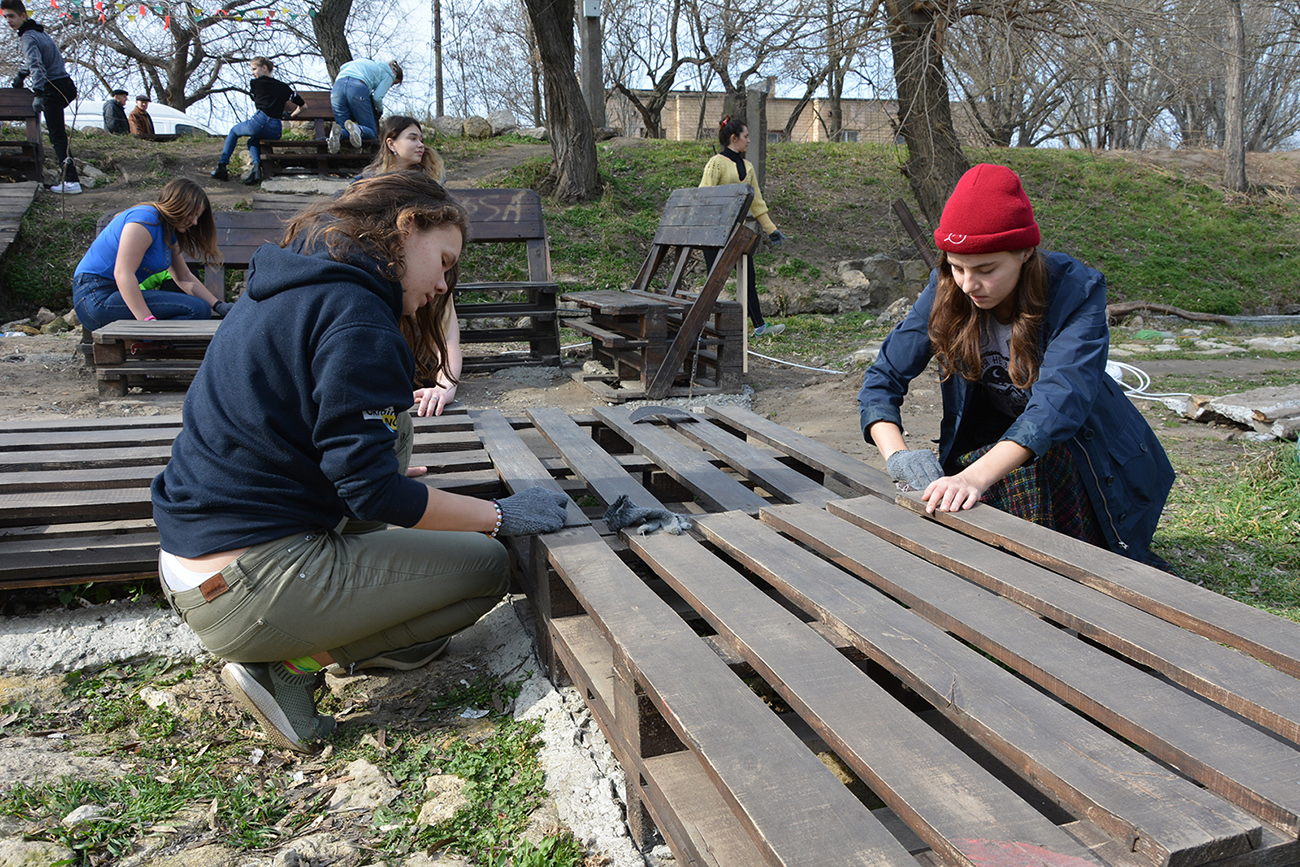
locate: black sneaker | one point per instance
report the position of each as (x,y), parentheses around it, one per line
(283,703)
(406,659)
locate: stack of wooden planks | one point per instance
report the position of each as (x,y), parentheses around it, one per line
(987,692)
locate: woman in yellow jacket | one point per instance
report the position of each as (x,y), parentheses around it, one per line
(731,167)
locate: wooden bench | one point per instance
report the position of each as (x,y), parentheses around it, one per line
(996,695)
(313,154)
(664,341)
(21,158)
(164,355)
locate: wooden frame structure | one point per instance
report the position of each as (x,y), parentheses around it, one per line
(23,157)
(997,695)
(669,339)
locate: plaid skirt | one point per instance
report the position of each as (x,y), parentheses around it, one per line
(1048,491)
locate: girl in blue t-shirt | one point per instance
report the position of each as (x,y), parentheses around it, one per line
(140,243)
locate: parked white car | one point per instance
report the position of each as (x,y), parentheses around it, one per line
(89,113)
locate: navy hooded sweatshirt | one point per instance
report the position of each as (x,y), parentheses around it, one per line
(290,425)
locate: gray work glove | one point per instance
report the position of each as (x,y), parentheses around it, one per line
(622,513)
(532,511)
(221,308)
(776,239)
(38,104)
(916,469)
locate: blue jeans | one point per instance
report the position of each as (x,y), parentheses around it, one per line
(98,303)
(258,127)
(350,99)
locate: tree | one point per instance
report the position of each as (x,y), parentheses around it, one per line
(1234,144)
(935,160)
(180,54)
(645,45)
(573,175)
(330,28)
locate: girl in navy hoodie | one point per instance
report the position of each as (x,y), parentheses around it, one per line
(293,459)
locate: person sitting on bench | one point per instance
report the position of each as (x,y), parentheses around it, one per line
(140,242)
(293,456)
(270,96)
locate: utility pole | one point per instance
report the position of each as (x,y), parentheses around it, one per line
(437,57)
(593,77)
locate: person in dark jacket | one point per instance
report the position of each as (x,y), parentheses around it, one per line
(54,90)
(270,96)
(1032,423)
(115,114)
(293,456)
(139,120)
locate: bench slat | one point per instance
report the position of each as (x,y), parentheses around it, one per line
(1227,756)
(955,805)
(1221,674)
(684,462)
(1161,814)
(764,470)
(1236,624)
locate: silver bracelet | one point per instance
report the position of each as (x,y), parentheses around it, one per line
(497,528)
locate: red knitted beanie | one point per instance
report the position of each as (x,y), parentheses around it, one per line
(988,212)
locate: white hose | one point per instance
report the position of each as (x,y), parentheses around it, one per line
(1117,369)
(792,364)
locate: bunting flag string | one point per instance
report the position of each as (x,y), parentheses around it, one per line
(99,10)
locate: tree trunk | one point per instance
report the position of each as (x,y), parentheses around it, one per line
(573,175)
(935,161)
(330,26)
(1234,144)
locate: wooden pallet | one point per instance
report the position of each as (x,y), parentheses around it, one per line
(1001,695)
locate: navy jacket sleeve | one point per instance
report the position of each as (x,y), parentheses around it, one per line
(905,353)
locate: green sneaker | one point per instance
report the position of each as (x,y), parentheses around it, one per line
(415,656)
(766,329)
(283,703)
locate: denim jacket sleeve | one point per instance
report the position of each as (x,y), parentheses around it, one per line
(905,353)
(1074,348)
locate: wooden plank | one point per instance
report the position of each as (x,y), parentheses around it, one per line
(951,802)
(1227,756)
(604,476)
(517,466)
(855,474)
(1150,809)
(683,462)
(89,426)
(93,438)
(1231,678)
(794,808)
(1236,624)
(761,468)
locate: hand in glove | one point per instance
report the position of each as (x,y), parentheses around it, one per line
(622,513)
(916,469)
(532,511)
(776,239)
(221,308)
(18,80)
(38,104)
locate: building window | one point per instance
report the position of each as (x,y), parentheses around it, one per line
(847,135)
(774,135)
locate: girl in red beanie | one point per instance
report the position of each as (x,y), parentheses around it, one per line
(1032,424)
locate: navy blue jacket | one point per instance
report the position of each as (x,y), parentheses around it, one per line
(290,423)
(1074,401)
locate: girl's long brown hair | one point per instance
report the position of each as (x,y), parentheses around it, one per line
(386,161)
(178,201)
(375,216)
(956,324)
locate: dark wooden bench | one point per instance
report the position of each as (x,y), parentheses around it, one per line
(166,354)
(658,339)
(313,154)
(22,158)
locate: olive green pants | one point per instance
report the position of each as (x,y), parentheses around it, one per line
(354,594)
